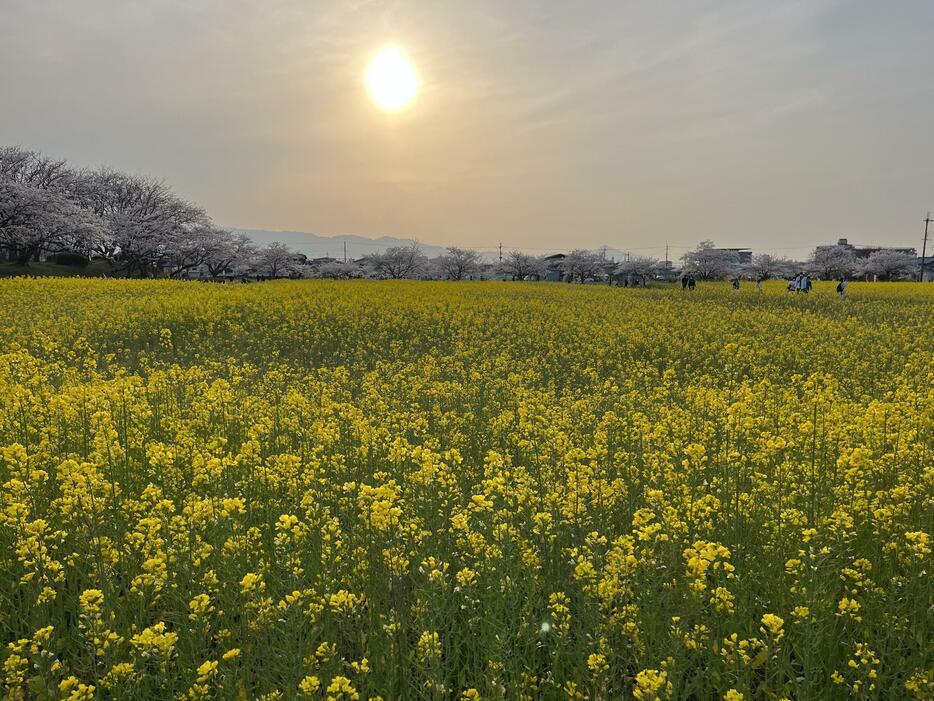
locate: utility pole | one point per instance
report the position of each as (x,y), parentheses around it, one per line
(345,253)
(500,251)
(924,246)
(666,256)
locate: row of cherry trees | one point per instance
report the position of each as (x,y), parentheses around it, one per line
(827,262)
(139,226)
(135,223)
(704,262)
(457,263)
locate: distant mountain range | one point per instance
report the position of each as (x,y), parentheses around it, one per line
(315,246)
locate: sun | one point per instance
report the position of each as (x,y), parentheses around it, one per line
(391,79)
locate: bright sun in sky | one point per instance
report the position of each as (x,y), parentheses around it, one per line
(391,79)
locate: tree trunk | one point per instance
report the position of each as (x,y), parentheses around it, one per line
(24,255)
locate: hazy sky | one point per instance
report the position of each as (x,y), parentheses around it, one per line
(773,124)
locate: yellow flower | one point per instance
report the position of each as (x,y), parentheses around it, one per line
(616,469)
(119,674)
(850,608)
(344,601)
(466,577)
(652,685)
(773,625)
(207,670)
(309,685)
(73,690)
(252,582)
(91,601)
(429,646)
(199,607)
(154,641)
(597,664)
(340,688)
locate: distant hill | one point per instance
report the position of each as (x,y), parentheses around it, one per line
(315,246)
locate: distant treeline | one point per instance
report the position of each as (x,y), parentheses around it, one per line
(50,211)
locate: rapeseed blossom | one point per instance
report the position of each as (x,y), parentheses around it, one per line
(372,490)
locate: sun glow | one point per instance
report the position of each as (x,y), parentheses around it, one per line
(391,79)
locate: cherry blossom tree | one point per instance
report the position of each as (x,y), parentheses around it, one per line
(275,260)
(458,263)
(229,252)
(636,269)
(832,262)
(711,263)
(582,265)
(398,262)
(890,264)
(765,266)
(520,266)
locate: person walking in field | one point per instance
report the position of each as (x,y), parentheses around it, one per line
(841,288)
(684,282)
(758,284)
(807,284)
(692,283)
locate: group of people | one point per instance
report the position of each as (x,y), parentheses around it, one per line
(800,283)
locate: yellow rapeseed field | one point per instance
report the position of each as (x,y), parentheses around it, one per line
(410,490)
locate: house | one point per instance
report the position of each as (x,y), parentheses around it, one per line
(198,272)
(927,273)
(490,271)
(741,255)
(554,270)
(666,271)
(313,266)
(863,252)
